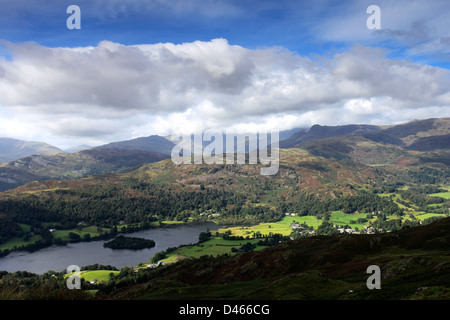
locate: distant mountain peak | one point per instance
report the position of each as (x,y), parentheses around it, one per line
(153,143)
(13,149)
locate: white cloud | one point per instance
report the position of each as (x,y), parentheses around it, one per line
(416,28)
(115,92)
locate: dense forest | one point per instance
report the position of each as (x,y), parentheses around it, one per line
(363,203)
(106,207)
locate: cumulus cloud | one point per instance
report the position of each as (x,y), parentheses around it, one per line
(115,92)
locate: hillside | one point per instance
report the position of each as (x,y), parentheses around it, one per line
(71,165)
(409,135)
(413,148)
(418,146)
(112,157)
(153,143)
(12,149)
(298,171)
(318,132)
(414,264)
(78,148)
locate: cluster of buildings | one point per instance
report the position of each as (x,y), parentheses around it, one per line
(290,214)
(155,265)
(214,215)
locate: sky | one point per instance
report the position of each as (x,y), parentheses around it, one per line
(136,68)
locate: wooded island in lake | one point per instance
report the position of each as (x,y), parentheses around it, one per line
(122,242)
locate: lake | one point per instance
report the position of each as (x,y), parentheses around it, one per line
(58,258)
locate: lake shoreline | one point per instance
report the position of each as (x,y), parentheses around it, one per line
(90,252)
(36,247)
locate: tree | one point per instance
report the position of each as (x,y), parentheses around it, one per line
(74,236)
(204,236)
(327,228)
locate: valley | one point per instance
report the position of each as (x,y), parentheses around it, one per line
(333,183)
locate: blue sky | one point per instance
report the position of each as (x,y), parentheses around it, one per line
(306,27)
(260,55)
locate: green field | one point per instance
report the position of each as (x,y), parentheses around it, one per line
(214,247)
(311,221)
(91,275)
(64,234)
(172,222)
(412,208)
(280,227)
(434,205)
(18,242)
(428,215)
(341,218)
(445,195)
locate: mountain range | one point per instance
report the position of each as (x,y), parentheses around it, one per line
(404,146)
(113,157)
(326,162)
(354,141)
